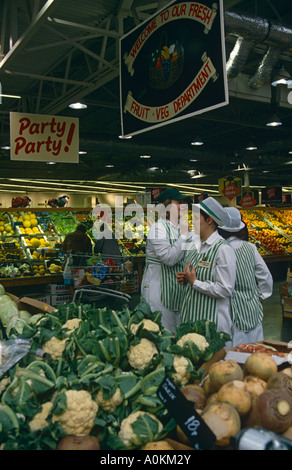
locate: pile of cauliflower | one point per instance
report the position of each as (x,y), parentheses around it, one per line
(98,398)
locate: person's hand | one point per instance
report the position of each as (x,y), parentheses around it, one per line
(180,277)
(190,273)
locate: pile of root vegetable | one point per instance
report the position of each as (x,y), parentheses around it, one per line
(90,377)
(235,397)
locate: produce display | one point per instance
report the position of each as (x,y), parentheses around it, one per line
(90,376)
(269,230)
(97,377)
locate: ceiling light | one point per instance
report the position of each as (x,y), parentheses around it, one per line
(274,121)
(282,77)
(251,146)
(153,168)
(2,95)
(109,166)
(6,147)
(82,152)
(51,163)
(199,175)
(290,152)
(145,156)
(125,136)
(77,106)
(191,160)
(197,141)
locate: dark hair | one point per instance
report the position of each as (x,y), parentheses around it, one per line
(241,234)
(81,228)
(206,216)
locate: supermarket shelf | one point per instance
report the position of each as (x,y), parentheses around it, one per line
(31,280)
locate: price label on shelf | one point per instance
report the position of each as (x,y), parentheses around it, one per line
(183,411)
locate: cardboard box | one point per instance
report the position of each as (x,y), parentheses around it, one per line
(58,289)
(60,299)
(286,307)
(31,305)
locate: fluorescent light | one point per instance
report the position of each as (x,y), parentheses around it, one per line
(125,136)
(51,163)
(282,77)
(10,96)
(6,147)
(274,121)
(109,166)
(197,141)
(77,106)
(82,152)
(145,156)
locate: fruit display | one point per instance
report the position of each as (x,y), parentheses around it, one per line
(99,391)
(269,231)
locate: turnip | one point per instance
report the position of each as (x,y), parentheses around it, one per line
(236,394)
(224,420)
(195,394)
(79,443)
(280,381)
(272,410)
(223,372)
(254,385)
(260,365)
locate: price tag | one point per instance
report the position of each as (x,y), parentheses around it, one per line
(199,434)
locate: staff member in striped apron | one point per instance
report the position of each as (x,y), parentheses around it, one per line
(164,257)
(254,282)
(209,274)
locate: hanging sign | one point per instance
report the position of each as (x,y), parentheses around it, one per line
(173,66)
(44,138)
(229,187)
(272,195)
(249,198)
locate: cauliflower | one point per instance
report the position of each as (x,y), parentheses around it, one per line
(147,324)
(4,383)
(71,325)
(198,340)
(146,434)
(140,355)
(78,417)
(55,347)
(39,421)
(180,364)
(109,404)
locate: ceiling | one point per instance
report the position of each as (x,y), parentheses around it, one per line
(54,52)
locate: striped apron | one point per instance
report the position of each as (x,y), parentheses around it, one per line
(171,292)
(196,305)
(247,309)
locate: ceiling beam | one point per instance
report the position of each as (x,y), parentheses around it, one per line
(36,23)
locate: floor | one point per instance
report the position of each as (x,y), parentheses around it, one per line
(275,326)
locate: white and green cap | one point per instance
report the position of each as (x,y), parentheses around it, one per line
(214,210)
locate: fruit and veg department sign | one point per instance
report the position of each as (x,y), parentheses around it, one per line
(44,138)
(173,66)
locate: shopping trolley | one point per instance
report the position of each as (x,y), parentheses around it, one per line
(101,279)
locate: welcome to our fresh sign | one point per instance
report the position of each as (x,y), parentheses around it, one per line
(173,66)
(44,138)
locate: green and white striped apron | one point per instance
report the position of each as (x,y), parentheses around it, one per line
(171,291)
(196,305)
(247,310)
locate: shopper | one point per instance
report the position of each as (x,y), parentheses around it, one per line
(209,274)
(164,257)
(77,246)
(107,246)
(254,282)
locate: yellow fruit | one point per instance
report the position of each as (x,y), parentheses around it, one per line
(33,222)
(1,228)
(26,223)
(35,242)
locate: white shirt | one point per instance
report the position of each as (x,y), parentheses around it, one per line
(224,281)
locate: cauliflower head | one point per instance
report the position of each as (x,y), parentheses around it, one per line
(55,347)
(39,420)
(127,433)
(78,417)
(199,340)
(147,324)
(71,325)
(181,374)
(140,355)
(109,404)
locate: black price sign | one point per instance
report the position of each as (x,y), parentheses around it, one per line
(199,434)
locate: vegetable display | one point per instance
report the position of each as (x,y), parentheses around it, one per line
(94,378)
